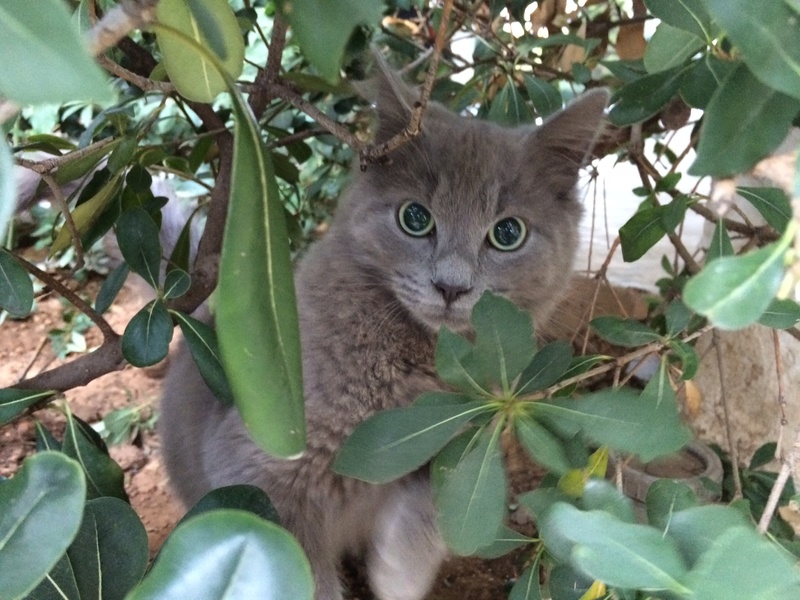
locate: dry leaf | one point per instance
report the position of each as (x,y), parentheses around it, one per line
(791,514)
(573,54)
(543,14)
(692,398)
(630,39)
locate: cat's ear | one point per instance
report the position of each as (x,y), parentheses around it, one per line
(393,100)
(564,142)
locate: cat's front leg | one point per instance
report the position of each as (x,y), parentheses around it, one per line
(406,548)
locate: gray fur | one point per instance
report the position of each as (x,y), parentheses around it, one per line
(369,309)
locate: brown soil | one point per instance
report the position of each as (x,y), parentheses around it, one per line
(21,351)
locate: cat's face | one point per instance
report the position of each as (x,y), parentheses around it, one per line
(470,207)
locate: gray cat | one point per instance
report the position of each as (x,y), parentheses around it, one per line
(465,207)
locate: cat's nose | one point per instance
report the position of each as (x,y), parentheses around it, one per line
(451,291)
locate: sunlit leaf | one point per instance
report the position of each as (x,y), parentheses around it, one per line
(394,442)
(42,510)
(16,287)
(40,42)
(228,553)
(471,502)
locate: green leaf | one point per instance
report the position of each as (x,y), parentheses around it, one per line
(545,97)
(45,439)
(547,367)
(505,541)
(14,402)
(139,242)
(687,356)
(257,310)
(697,529)
(670,47)
(228,553)
(734,291)
(148,334)
(678,316)
(394,442)
(742,564)
(781,314)
(104,477)
(8,188)
(202,342)
(16,287)
(720,242)
(322,34)
(566,583)
(75,167)
(527,585)
(504,339)
(454,363)
(772,203)
(763,455)
(542,446)
(471,502)
(109,554)
(194,73)
(746,118)
(42,510)
(623,332)
(538,502)
(40,42)
(644,229)
(240,497)
(176,284)
(644,97)
(181,253)
(620,554)
(111,287)
(665,498)
(599,494)
(689,15)
(647,425)
(508,106)
(766,35)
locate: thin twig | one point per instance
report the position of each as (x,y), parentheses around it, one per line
(50,165)
(374,152)
(779,485)
(268,76)
(36,354)
(143,83)
(118,22)
(776,344)
(732,447)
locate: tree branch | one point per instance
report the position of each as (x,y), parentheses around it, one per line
(268,76)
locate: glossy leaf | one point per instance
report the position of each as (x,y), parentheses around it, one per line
(547,367)
(508,106)
(87,214)
(688,15)
(147,336)
(745,117)
(176,284)
(599,494)
(322,34)
(16,287)
(111,287)
(104,477)
(730,563)
(471,502)
(194,73)
(542,446)
(13,402)
(665,498)
(257,310)
(140,244)
(644,97)
(42,510)
(239,497)
(646,424)
(109,554)
(720,242)
(527,585)
(772,203)
(621,554)
(670,47)
(766,35)
(644,229)
(545,97)
(734,291)
(202,342)
(39,42)
(45,439)
(623,332)
(781,314)
(394,442)
(228,553)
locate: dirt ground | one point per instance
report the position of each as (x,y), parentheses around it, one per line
(22,351)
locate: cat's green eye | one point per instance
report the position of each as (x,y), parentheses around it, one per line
(415,219)
(507,234)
